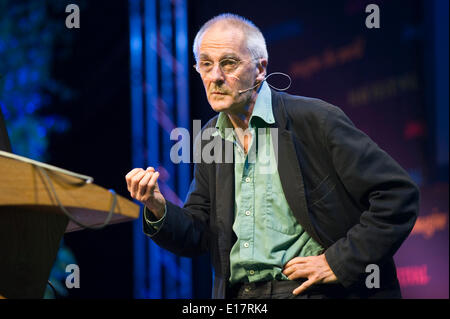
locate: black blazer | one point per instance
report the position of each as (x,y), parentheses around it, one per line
(345,191)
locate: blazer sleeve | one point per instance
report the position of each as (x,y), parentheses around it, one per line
(376,181)
(185,230)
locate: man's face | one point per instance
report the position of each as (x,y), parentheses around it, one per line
(219,43)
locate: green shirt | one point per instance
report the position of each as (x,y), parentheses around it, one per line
(268,235)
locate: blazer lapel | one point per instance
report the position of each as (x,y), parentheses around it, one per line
(289,168)
(225,209)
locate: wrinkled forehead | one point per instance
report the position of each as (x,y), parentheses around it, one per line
(223,38)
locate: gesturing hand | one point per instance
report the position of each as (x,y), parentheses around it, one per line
(143,186)
(315,268)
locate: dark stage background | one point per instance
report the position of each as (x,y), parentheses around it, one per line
(392,82)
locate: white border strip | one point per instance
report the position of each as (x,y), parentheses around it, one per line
(87,179)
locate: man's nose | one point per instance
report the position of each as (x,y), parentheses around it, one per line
(216,74)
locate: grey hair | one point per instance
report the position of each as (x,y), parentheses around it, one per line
(256,43)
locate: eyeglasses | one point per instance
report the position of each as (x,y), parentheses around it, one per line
(227,65)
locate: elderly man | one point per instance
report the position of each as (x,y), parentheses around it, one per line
(302,215)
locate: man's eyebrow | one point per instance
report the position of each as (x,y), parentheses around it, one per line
(230,56)
(204,56)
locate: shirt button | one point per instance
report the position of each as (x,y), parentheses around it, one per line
(247,179)
(248,213)
(252,272)
(246,245)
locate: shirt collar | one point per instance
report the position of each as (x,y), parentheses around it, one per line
(263,105)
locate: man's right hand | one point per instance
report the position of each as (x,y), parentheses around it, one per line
(143,186)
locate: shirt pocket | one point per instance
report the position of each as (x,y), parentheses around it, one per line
(277,215)
(321,192)
(325,208)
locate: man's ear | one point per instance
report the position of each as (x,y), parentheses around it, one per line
(262,70)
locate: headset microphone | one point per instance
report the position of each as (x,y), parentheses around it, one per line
(242,91)
(284,89)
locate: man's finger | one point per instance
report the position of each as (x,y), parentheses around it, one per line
(303,287)
(135,182)
(130,175)
(299,273)
(296,260)
(289,270)
(132,172)
(152,183)
(142,189)
(292,269)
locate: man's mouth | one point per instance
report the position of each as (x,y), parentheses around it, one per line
(220,93)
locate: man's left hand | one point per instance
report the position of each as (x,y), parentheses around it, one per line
(315,268)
